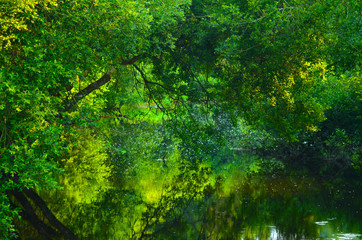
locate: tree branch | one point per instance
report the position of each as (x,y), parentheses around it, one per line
(68,234)
(28,213)
(69,104)
(31,202)
(146,81)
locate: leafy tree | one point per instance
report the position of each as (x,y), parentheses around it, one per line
(67,64)
(53,55)
(257,56)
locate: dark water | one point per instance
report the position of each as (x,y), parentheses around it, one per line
(269,209)
(246,208)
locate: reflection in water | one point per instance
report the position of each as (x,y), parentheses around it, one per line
(256,209)
(348,236)
(275,235)
(190,207)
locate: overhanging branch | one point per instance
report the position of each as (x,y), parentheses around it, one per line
(147,84)
(69,104)
(146,81)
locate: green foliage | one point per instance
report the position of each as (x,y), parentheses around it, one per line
(50,50)
(137,147)
(191,183)
(83,182)
(267,59)
(343,94)
(344,34)
(6,213)
(290,69)
(86,170)
(340,152)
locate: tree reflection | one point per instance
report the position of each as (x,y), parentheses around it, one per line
(265,214)
(191,205)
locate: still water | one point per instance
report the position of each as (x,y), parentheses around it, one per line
(266,209)
(272,208)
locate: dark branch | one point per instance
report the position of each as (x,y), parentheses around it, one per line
(95,85)
(147,84)
(146,81)
(68,234)
(28,213)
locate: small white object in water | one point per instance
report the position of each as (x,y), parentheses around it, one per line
(321,223)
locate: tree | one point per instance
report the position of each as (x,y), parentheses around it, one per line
(51,59)
(64,62)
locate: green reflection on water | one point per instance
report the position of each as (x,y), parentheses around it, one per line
(267,208)
(191,206)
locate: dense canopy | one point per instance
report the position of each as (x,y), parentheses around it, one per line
(79,78)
